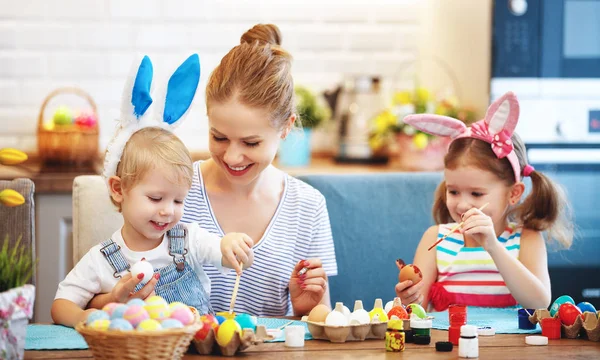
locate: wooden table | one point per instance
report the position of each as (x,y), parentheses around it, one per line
(494,347)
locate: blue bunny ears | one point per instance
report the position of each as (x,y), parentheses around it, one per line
(139,109)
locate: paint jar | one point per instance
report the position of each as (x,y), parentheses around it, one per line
(523,316)
(294,335)
(550,328)
(468,344)
(457,317)
(421,331)
(394,336)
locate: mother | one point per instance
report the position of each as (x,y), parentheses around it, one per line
(250,104)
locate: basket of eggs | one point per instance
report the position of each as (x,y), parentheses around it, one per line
(151,329)
(68,137)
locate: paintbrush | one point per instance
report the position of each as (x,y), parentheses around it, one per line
(454,229)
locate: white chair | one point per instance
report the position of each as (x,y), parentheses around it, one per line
(95,218)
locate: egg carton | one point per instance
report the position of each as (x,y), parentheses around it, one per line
(586,324)
(340,334)
(238,342)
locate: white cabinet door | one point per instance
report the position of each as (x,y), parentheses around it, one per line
(54,244)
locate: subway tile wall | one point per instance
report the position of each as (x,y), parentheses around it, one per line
(45,45)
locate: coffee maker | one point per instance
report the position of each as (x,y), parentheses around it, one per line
(354,105)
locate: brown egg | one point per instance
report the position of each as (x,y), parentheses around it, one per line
(319,313)
(410,272)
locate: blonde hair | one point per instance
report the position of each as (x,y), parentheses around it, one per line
(257,72)
(545,208)
(154,148)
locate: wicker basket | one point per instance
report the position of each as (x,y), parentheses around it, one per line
(137,345)
(67,144)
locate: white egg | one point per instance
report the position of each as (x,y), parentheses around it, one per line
(359,317)
(336,318)
(346,312)
(142,267)
(388,306)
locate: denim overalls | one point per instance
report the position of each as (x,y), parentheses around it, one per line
(178,281)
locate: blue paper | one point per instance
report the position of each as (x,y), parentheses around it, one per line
(53,337)
(503,320)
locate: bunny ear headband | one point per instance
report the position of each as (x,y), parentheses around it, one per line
(496,128)
(167,110)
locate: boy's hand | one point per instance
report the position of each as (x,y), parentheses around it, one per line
(123,290)
(236,248)
(409,293)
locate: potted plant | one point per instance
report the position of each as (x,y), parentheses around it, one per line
(410,148)
(16,269)
(295,149)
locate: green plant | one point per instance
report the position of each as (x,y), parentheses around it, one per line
(311,112)
(16,265)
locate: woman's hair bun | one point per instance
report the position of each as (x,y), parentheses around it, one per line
(263,33)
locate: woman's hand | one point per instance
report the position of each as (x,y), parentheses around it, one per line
(307,289)
(480,227)
(409,293)
(124,289)
(237,247)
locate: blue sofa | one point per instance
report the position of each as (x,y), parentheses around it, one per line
(379,217)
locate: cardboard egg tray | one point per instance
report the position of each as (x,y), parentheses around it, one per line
(586,325)
(340,334)
(238,342)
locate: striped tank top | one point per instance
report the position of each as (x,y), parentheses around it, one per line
(468,275)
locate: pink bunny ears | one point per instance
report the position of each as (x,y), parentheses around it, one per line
(496,128)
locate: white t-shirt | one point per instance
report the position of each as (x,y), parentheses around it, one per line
(93,274)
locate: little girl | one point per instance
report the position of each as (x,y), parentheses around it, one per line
(149,174)
(497,258)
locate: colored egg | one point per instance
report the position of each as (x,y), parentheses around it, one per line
(246,321)
(227,331)
(399,312)
(558,302)
(184,315)
(208,322)
(586,306)
(171,324)
(119,311)
(135,314)
(568,313)
(417,310)
(220,319)
(157,308)
(101,324)
(110,307)
(97,315)
(149,325)
(176,304)
(319,313)
(378,315)
(136,301)
(120,324)
(410,272)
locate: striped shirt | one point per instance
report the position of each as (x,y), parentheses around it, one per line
(299,230)
(469,274)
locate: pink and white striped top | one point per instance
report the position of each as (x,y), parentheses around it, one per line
(468,275)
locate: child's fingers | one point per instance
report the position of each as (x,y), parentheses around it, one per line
(240,255)
(248,240)
(401,286)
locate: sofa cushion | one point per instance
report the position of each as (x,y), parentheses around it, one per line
(375,219)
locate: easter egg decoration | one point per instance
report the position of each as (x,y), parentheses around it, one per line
(399,312)
(227,331)
(118,311)
(135,314)
(184,315)
(417,310)
(62,116)
(171,324)
(319,313)
(142,267)
(408,272)
(100,324)
(120,324)
(208,322)
(149,325)
(558,302)
(568,313)
(110,307)
(157,308)
(136,301)
(377,315)
(246,321)
(586,306)
(97,315)
(86,120)
(359,316)
(220,319)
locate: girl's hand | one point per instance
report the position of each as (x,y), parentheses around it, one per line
(237,247)
(409,293)
(480,227)
(123,290)
(307,289)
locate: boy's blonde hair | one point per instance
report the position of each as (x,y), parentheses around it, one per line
(154,148)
